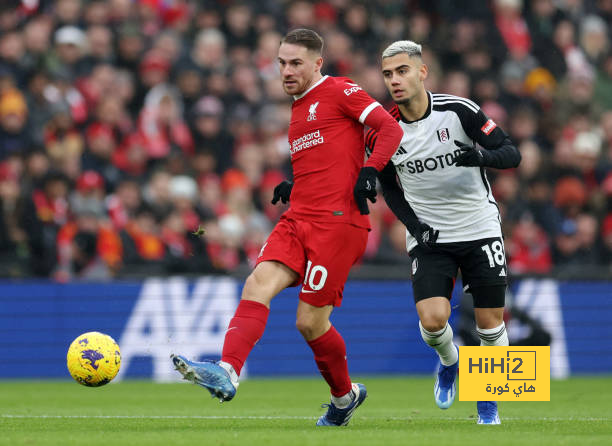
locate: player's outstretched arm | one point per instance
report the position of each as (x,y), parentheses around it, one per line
(424,234)
(499,151)
(389,138)
(505,156)
(365,189)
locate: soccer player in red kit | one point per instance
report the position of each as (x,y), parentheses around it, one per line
(323,233)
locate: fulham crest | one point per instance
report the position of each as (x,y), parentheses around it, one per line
(443,135)
(312,112)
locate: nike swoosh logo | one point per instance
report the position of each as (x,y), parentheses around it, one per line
(307,291)
(229,329)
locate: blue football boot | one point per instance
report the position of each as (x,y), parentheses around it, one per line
(341,417)
(444,388)
(208,374)
(487,412)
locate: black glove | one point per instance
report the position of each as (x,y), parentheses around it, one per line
(471,156)
(282,192)
(424,234)
(365,188)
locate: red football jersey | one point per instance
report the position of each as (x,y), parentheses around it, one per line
(326,144)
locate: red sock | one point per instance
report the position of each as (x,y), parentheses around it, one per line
(245,329)
(330,355)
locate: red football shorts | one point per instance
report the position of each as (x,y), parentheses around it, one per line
(321,253)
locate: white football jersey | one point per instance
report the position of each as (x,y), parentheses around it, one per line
(457,201)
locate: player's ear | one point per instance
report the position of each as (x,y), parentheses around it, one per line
(318,63)
(423,72)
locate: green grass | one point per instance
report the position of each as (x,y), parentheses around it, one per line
(398,411)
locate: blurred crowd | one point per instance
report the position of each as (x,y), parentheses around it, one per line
(127,125)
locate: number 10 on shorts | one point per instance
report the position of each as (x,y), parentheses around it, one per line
(315,276)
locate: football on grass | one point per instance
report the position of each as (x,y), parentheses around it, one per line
(93,359)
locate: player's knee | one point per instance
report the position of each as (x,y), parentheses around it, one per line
(251,285)
(310,326)
(488,318)
(433,321)
(305,325)
(256,288)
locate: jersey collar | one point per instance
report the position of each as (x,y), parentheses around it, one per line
(316,84)
(427,113)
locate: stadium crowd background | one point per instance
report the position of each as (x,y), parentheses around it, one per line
(126,124)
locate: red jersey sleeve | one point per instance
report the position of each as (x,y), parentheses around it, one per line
(354,101)
(389,137)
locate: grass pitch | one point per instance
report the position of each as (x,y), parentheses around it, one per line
(398,411)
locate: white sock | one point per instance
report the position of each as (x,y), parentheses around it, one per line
(493,336)
(442,342)
(343,401)
(230,371)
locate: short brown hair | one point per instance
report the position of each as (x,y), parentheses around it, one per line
(306,38)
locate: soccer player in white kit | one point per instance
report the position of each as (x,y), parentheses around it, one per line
(444,199)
